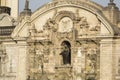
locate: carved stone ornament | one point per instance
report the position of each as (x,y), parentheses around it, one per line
(91,60)
(50,24)
(65,25)
(63,76)
(95,28)
(65,35)
(85,28)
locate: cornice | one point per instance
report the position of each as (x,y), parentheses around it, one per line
(77,3)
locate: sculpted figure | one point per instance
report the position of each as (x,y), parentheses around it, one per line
(65,54)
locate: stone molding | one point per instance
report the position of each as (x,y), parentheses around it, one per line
(76,3)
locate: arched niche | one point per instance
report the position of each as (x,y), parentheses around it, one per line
(66,52)
(63,14)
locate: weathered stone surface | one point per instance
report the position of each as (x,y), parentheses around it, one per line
(63,40)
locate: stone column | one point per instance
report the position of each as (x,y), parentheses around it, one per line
(3,2)
(22,64)
(116,62)
(0,66)
(106,59)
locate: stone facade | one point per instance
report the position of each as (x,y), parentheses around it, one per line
(63,40)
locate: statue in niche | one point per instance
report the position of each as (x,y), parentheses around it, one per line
(65,53)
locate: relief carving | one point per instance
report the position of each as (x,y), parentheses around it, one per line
(95,28)
(63,75)
(91,61)
(85,28)
(91,64)
(83,23)
(65,31)
(65,25)
(50,24)
(49,27)
(38,57)
(64,35)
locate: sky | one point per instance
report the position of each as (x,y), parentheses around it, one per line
(34,4)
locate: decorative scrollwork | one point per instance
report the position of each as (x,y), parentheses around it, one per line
(50,24)
(85,28)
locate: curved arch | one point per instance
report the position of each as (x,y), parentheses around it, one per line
(66,42)
(62,14)
(65,39)
(101,17)
(106,23)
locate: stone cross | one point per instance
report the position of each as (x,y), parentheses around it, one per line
(27,5)
(111,1)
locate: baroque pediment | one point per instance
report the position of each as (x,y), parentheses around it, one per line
(66,23)
(70,21)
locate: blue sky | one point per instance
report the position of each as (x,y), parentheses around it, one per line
(34,4)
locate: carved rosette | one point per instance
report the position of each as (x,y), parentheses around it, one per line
(91,60)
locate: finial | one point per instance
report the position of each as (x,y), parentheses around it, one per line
(26,9)
(27,5)
(111,1)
